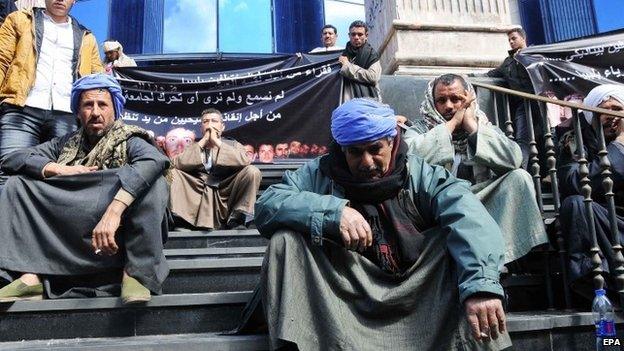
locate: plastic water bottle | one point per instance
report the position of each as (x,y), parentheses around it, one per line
(602,309)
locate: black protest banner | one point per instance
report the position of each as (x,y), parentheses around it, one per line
(266,102)
(576,66)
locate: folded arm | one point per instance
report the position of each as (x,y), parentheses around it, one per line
(371,76)
(296,203)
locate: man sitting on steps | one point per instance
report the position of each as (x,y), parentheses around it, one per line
(371,248)
(454,133)
(214,184)
(90,203)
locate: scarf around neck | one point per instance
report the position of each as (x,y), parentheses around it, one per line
(364,56)
(431,118)
(109,152)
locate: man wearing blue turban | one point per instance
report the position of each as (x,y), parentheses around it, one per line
(372,248)
(61,211)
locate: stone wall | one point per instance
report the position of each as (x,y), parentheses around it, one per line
(427,37)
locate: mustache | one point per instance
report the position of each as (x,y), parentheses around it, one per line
(369,170)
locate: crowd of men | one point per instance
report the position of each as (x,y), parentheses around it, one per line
(393,236)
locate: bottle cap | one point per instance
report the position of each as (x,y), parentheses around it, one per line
(600,292)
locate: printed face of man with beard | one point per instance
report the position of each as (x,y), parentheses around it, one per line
(295,148)
(281,150)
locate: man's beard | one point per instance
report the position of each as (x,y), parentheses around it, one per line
(94,137)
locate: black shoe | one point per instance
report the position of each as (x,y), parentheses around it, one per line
(236,220)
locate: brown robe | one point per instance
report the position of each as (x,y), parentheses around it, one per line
(206,199)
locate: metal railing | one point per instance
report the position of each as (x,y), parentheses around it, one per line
(549,148)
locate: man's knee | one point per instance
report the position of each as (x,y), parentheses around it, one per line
(284,237)
(251,173)
(572,203)
(519,179)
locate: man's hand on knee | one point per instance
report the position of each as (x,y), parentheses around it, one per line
(103,236)
(355,231)
(486,316)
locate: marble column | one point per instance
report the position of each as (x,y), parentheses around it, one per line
(429,37)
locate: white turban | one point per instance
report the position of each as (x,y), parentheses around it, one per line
(111,45)
(600,94)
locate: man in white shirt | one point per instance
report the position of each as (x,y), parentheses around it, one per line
(42,52)
(329,35)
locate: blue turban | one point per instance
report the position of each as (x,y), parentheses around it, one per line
(95,81)
(362,120)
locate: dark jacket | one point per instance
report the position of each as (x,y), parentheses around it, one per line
(514,73)
(310,202)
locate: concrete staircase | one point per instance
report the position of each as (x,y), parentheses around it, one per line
(212,275)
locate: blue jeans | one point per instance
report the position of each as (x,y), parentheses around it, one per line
(23,127)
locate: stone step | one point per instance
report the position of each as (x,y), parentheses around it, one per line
(557,331)
(205,275)
(186,342)
(107,317)
(213,239)
(154,326)
(215,252)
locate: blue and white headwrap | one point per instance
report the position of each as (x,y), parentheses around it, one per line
(95,81)
(360,121)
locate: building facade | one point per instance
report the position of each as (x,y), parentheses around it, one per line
(269,26)
(550,21)
(212,26)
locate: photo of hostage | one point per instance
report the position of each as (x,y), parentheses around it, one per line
(266,153)
(251,153)
(294,149)
(281,150)
(176,141)
(106,222)
(214,186)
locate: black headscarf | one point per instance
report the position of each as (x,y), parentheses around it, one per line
(386,205)
(364,57)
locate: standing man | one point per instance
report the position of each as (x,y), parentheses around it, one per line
(517,78)
(115,57)
(360,65)
(214,184)
(42,51)
(329,35)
